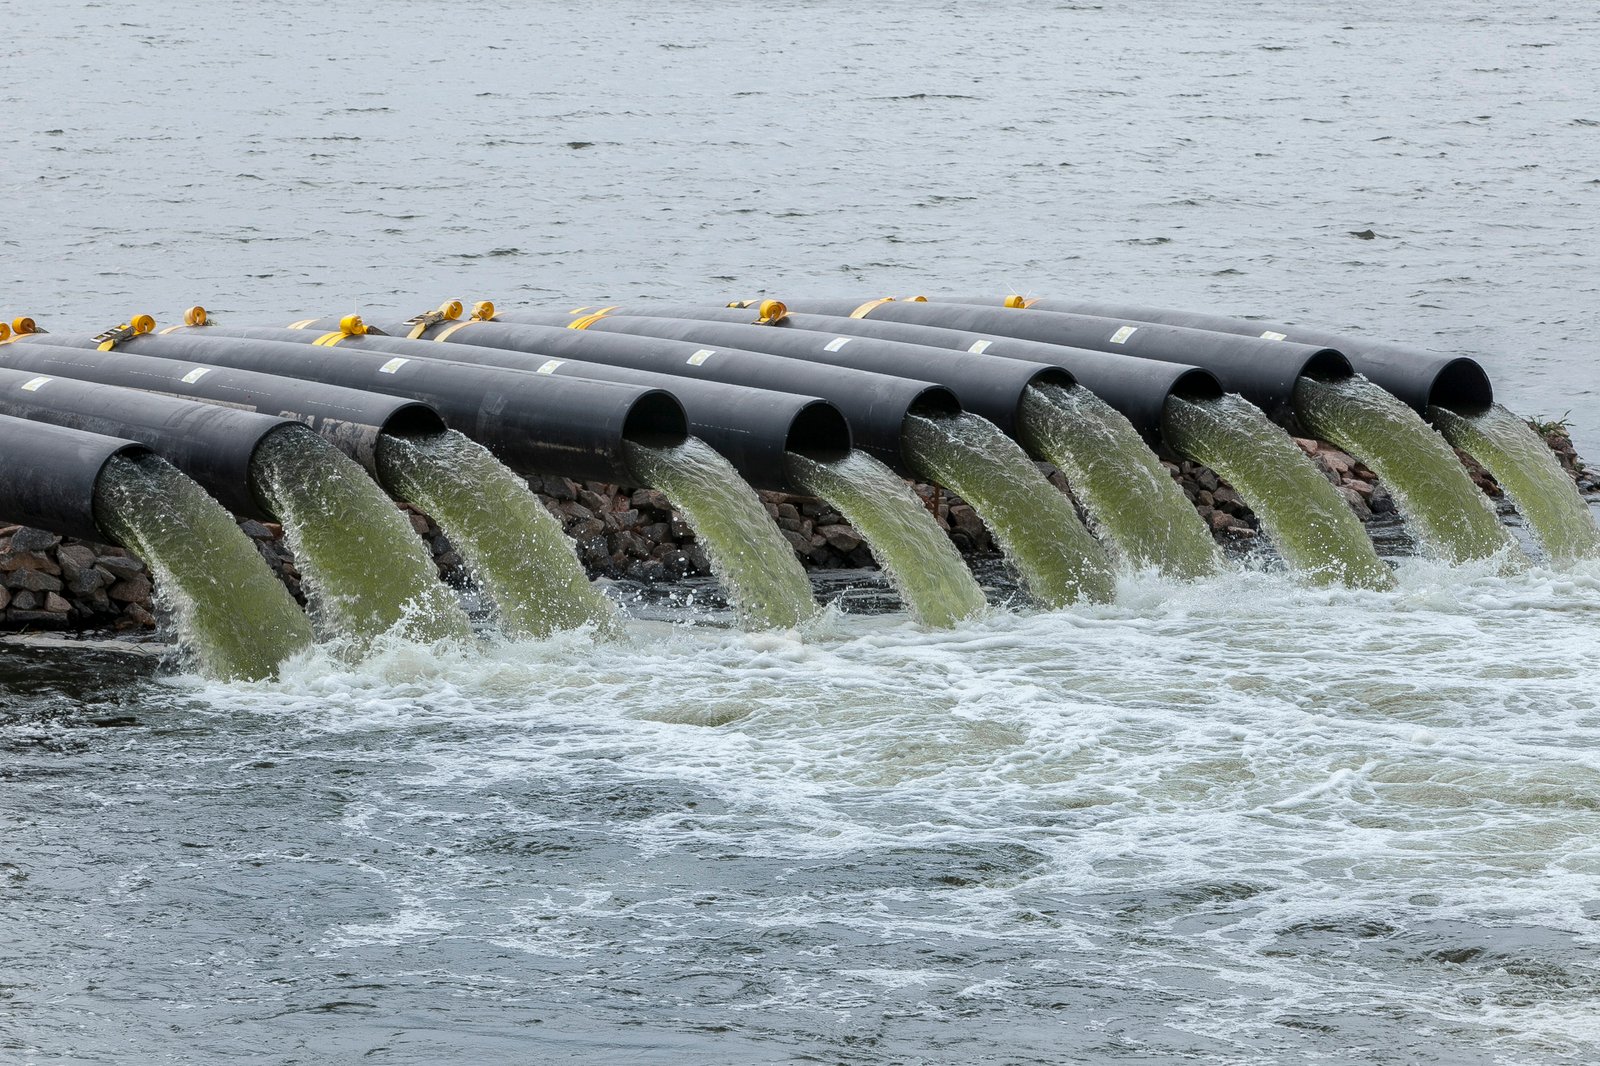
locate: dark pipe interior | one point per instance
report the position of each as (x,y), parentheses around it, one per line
(819,432)
(1328,365)
(413,420)
(1461,386)
(1196,385)
(656,420)
(934,400)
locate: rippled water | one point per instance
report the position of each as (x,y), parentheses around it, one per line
(1233,821)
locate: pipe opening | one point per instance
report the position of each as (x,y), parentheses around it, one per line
(413,420)
(934,400)
(1196,385)
(819,432)
(656,420)
(1327,364)
(1462,386)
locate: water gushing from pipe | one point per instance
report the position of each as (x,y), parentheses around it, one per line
(916,556)
(1314,529)
(233,616)
(765,582)
(515,547)
(1451,517)
(365,568)
(1130,497)
(1036,525)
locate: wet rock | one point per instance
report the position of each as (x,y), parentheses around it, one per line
(255,530)
(28,539)
(139,616)
(650,500)
(10,562)
(56,604)
(131,590)
(31,580)
(841,538)
(120,567)
(5,598)
(24,600)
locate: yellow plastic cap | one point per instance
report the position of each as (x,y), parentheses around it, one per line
(352,326)
(5,332)
(23,326)
(1015,301)
(483,310)
(195,316)
(916,299)
(771,311)
(451,309)
(141,324)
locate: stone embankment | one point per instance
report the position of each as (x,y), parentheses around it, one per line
(50,582)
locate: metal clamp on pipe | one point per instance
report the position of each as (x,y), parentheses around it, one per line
(448,311)
(135,326)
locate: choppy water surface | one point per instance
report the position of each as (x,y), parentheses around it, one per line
(1233,821)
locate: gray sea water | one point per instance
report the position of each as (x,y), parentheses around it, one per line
(1240,821)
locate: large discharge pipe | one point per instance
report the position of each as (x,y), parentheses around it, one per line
(1418,377)
(349,419)
(875,405)
(1262,371)
(532,423)
(1137,388)
(213,445)
(753,428)
(51,474)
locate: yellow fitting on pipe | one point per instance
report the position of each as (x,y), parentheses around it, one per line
(196,316)
(142,324)
(451,310)
(23,326)
(5,332)
(771,312)
(1014,301)
(352,326)
(482,311)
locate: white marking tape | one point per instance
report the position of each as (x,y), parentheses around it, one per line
(701,356)
(549,366)
(392,366)
(196,374)
(1121,335)
(34,384)
(835,344)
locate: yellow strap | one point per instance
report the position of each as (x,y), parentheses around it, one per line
(418,330)
(1030,303)
(302,324)
(173,329)
(444,334)
(578,310)
(328,340)
(588,320)
(866,309)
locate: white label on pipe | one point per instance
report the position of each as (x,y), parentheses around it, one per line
(1121,335)
(1269,335)
(549,366)
(835,344)
(701,356)
(33,384)
(980,347)
(196,374)
(392,366)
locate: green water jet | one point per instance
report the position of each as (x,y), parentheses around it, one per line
(366,570)
(1448,513)
(916,556)
(765,582)
(515,547)
(1035,524)
(1130,497)
(1530,473)
(1313,527)
(234,617)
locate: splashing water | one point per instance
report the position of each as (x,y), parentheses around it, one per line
(1314,529)
(516,548)
(233,616)
(1440,503)
(1530,473)
(1035,524)
(765,582)
(366,570)
(916,556)
(1129,495)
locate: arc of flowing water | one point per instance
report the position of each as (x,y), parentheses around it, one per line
(233,616)
(758,569)
(1313,528)
(1129,495)
(515,547)
(1036,525)
(1450,516)
(915,554)
(1528,470)
(365,568)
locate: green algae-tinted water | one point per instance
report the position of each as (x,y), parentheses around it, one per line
(515,547)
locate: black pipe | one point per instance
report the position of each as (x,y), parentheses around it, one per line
(875,405)
(50,476)
(752,428)
(992,388)
(533,423)
(1418,377)
(350,419)
(213,445)
(1262,371)
(1138,388)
